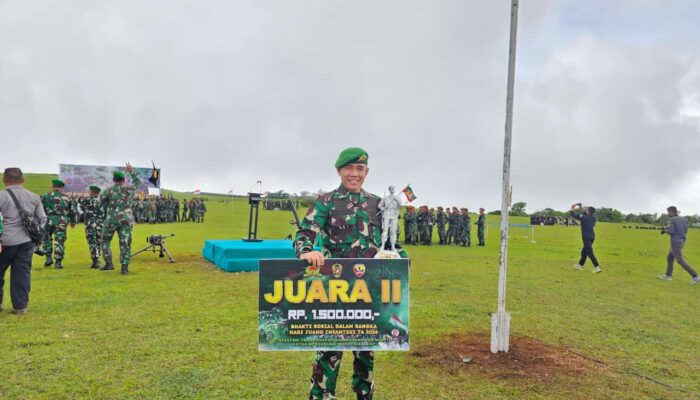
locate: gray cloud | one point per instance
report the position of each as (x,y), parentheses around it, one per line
(221,94)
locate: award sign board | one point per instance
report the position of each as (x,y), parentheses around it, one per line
(347,304)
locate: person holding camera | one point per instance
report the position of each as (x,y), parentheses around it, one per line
(677,228)
(16,246)
(588,221)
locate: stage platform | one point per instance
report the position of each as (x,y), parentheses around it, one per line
(237,255)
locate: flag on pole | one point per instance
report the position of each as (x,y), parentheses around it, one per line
(230,192)
(409,193)
(396,321)
(196,191)
(155,175)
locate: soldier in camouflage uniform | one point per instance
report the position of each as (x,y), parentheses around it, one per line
(467,235)
(480,227)
(60,212)
(184,210)
(94,219)
(464,228)
(423,220)
(119,218)
(176,210)
(410,226)
(441,220)
(202,210)
(452,221)
(346,223)
(193,209)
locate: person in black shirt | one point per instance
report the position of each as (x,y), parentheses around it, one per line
(588,221)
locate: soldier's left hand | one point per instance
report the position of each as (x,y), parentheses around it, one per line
(129,168)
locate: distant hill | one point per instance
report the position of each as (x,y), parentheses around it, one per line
(37,183)
(41,183)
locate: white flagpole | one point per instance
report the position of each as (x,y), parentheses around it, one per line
(500,321)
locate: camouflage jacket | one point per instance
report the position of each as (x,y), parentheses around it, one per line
(482,219)
(59,208)
(347,223)
(116,202)
(467,222)
(441,218)
(409,218)
(92,209)
(423,218)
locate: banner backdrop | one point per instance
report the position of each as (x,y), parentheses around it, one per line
(78,177)
(348,304)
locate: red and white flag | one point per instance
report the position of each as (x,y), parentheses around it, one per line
(196,191)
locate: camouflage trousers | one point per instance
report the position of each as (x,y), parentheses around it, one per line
(124,233)
(442,233)
(93,233)
(325,374)
(450,233)
(184,216)
(412,234)
(480,235)
(55,232)
(467,237)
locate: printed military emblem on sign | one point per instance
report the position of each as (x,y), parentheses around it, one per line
(337,270)
(359,270)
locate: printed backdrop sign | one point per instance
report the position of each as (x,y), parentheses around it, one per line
(348,304)
(78,177)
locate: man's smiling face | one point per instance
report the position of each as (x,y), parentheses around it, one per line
(353,176)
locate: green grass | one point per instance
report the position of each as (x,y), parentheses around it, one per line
(187,330)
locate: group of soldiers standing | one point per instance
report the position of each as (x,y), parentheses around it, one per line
(154,210)
(105,213)
(453,226)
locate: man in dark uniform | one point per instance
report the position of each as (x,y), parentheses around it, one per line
(480,226)
(345,221)
(588,221)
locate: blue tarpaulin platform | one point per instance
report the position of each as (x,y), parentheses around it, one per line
(238,255)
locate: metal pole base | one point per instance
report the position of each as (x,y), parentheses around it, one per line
(500,331)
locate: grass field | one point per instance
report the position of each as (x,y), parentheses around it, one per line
(187,330)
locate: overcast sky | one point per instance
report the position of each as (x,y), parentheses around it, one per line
(223,93)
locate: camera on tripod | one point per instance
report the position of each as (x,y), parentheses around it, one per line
(159,242)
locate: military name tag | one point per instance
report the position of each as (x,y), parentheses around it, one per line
(347,304)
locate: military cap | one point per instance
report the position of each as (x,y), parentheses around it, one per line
(95,188)
(57,183)
(119,175)
(351,155)
(439,208)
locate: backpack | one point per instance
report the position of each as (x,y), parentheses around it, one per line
(31,225)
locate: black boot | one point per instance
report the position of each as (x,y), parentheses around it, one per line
(125,269)
(49,261)
(108,265)
(95,263)
(59,264)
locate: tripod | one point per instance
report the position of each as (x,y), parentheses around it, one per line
(159,242)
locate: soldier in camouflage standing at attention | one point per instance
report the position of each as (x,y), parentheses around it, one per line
(441,220)
(467,228)
(409,225)
(60,212)
(452,224)
(480,227)
(116,202)
(184,211)
(94,219)
(347,221)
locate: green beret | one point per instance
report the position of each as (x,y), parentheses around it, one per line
(95,188)
(119,175)
(57,183)
(351,155)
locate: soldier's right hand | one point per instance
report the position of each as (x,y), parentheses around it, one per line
(314,258)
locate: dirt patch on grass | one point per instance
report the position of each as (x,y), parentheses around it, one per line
(527,361)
